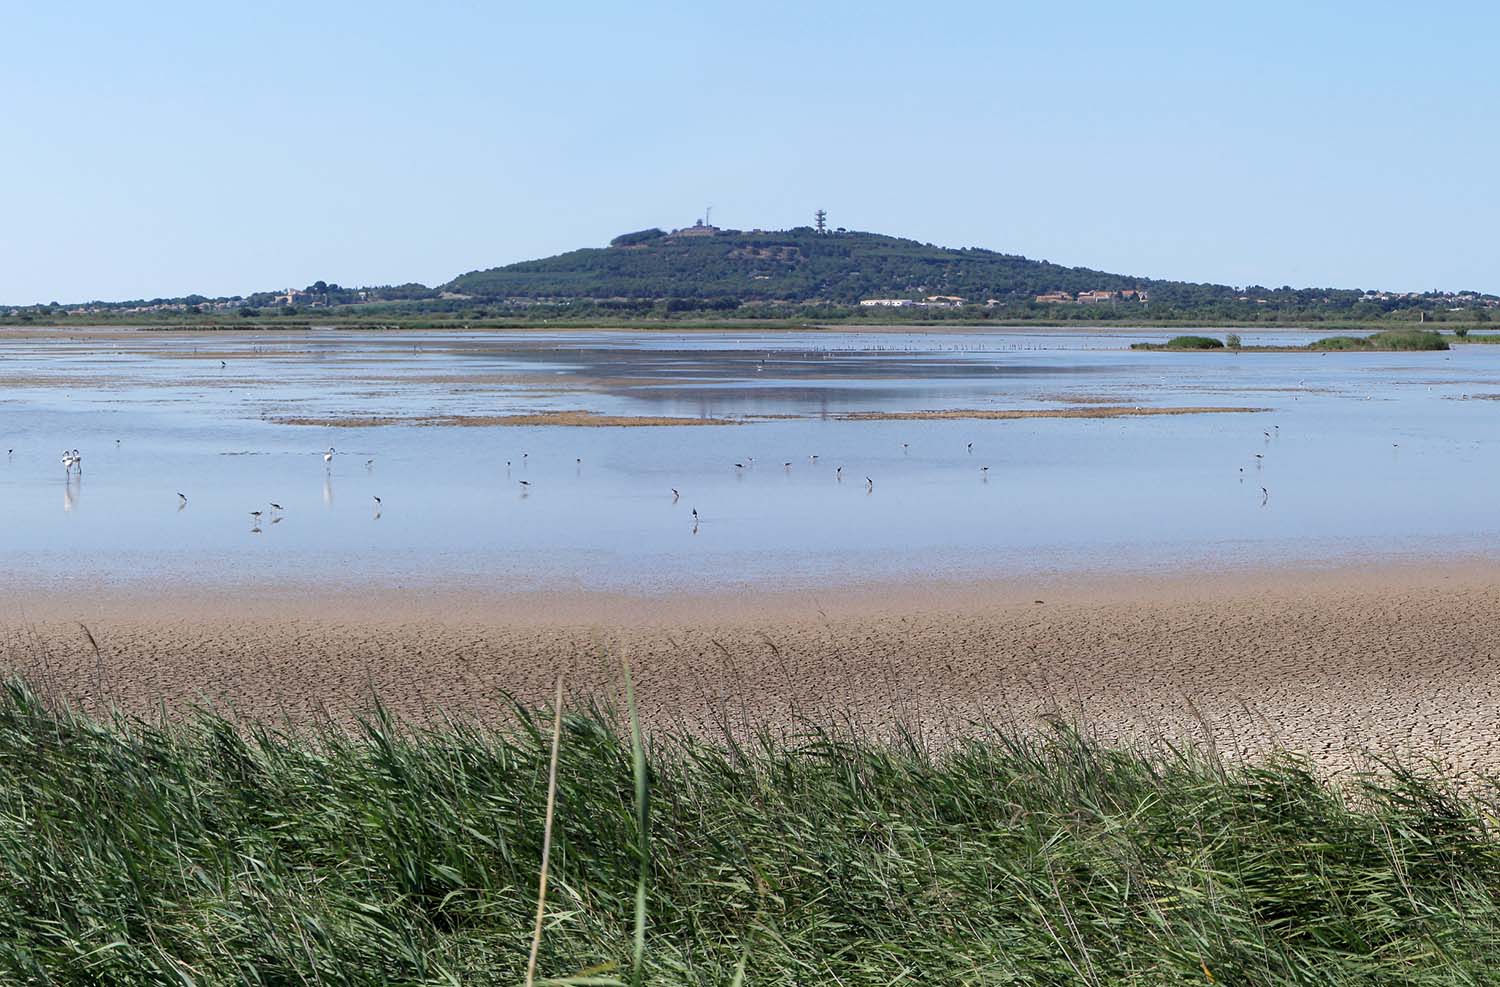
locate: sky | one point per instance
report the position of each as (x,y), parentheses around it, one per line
(159,149)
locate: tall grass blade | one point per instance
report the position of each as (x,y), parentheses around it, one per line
(541,890)
(643,822)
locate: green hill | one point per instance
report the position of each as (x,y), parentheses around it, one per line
(797,265)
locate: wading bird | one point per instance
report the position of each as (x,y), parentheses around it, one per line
(869,485)
(181,500)
(675,495)
(328,456)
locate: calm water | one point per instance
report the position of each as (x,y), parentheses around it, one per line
(1368,454)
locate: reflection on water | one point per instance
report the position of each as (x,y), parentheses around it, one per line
(1358,452)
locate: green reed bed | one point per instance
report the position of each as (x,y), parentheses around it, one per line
(210,853)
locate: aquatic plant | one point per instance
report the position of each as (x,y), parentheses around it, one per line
(1194,343)
(1394,339)
(215,852)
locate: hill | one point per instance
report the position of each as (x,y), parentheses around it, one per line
(797,265)
(795,274)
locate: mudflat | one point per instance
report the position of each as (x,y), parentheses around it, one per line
(1399,660)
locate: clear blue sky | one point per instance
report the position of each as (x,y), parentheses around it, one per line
(163,148)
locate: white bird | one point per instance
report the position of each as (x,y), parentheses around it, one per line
(869,484)
(377,503)
(328,456)
(182,500)
(675,495)
(275,507)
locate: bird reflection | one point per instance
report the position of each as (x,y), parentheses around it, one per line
(72,486)
(327,490)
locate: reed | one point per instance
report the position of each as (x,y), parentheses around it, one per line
(207,851)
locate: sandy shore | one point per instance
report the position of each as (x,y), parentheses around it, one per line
(1398,659)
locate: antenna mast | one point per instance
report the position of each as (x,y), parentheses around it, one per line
(820,220)
(708,216)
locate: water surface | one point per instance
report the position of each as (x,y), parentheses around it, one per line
(1368,454)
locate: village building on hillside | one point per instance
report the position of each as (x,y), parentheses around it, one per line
(1096,297)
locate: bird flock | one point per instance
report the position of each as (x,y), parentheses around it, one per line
(273,512)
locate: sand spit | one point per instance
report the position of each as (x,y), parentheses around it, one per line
(1328,664)
(575,419)
(1008,414)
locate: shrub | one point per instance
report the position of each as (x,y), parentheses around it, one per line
(1462,332)
(1390,339)
(1194,343)
(1232,340)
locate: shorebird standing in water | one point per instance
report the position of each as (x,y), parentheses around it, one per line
(695,517)
(181,501)
(970,447)
(675,495)
(869,485)
(328,456)
(256,516)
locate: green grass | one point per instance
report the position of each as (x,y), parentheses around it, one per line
(1393,339)
(1389,340)
(205,853)
(1183,343)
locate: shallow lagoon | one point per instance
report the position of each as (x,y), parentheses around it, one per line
(1370,454)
